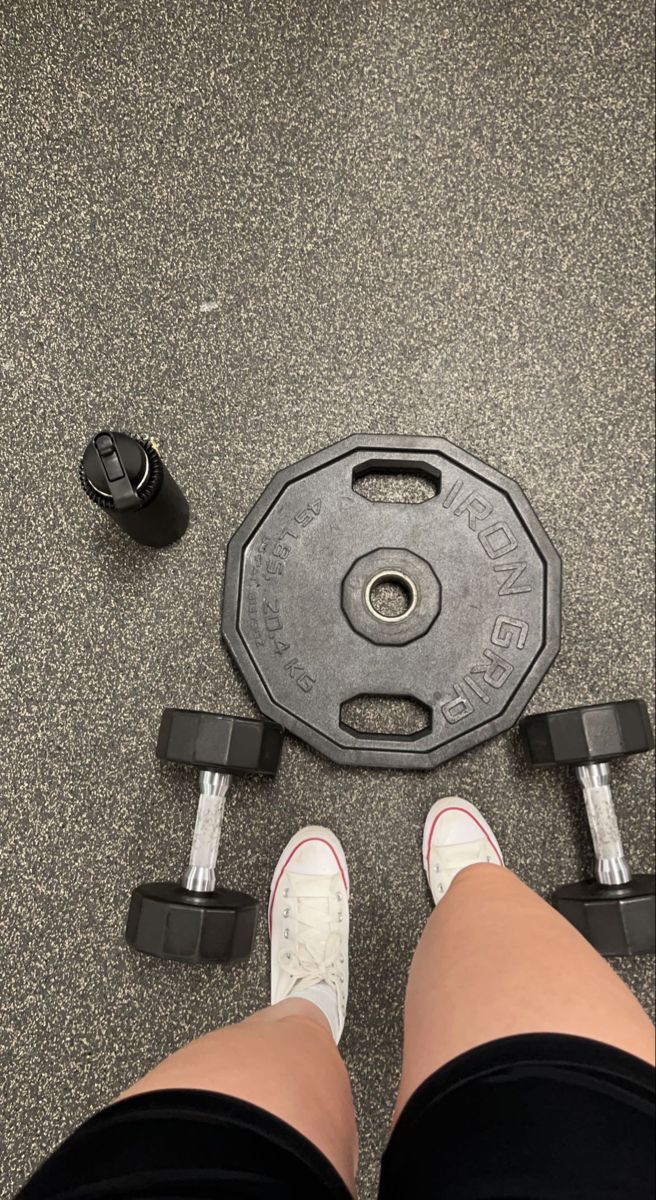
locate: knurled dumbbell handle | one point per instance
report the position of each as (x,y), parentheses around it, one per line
(611,866)
(200,875)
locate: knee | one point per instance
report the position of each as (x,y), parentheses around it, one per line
(483,876)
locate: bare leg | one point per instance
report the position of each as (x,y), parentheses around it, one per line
(283,1059)
(496,960)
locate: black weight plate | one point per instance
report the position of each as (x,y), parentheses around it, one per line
(484,578)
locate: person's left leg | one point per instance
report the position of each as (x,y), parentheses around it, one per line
(285,1059)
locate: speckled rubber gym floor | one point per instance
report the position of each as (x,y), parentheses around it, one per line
(249,230)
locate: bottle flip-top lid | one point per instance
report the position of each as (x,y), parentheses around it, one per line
(117,467)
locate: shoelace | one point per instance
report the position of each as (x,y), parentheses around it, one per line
(449,859)
(459,854)
(315,958)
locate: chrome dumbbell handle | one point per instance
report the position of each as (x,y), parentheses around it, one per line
(611,866)
(200,875)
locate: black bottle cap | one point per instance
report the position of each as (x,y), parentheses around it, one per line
(117,467)
(126,478)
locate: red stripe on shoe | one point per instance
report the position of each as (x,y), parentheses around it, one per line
(290,856)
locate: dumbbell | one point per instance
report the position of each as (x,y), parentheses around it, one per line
(193,920)
(617,911)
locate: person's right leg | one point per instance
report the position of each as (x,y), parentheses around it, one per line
(496,960)
(284,1058)
(263,1104)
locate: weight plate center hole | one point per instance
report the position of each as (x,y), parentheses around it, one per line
(391,596)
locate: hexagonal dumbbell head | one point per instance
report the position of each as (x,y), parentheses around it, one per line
(617,920)
(592,733)
(205,927)
(214,742)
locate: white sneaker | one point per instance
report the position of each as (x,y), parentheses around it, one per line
(456,835)
(309,924)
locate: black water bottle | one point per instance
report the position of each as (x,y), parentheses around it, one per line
(126,477)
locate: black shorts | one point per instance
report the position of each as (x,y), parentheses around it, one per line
(536,1117)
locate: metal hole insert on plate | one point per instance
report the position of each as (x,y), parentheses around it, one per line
(479,627)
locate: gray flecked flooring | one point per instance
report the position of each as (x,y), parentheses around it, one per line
(249,230)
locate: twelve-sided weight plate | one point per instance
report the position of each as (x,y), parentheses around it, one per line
(482,624)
